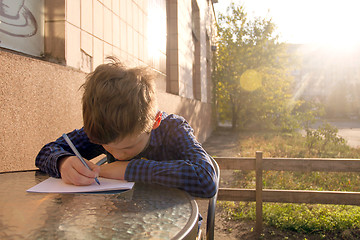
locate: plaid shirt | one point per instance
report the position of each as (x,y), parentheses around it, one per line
(173,158)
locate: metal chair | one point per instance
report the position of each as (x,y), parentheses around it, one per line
(210,221)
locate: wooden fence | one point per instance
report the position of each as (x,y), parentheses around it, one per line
(260,195)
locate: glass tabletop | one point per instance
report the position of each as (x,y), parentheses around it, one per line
(144,212)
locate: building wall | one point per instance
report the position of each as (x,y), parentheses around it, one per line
(39,101)
(94,29)
(186,49)
(40,97)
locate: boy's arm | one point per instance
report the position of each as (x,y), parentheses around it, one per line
(191,170)
(114,170)
(51,154)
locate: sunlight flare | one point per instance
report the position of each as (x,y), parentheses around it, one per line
(250,80)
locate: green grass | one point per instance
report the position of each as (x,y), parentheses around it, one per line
(303,218)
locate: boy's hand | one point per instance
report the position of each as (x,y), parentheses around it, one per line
(74,172)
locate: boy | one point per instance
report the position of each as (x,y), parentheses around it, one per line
(142,144)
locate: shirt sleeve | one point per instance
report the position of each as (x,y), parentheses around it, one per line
(47,158)
(189,168)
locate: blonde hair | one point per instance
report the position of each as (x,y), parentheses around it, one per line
(118,102)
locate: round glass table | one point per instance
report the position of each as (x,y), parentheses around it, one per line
(145,212)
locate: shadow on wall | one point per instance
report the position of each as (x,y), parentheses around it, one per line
(198,114)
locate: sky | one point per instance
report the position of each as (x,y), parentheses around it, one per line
(330,22)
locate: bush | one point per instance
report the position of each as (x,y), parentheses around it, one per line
(325,142)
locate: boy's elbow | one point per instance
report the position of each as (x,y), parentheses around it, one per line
(208,189)
(212,185)
(204,184)
(211,190)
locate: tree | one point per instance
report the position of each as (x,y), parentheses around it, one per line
(251,73)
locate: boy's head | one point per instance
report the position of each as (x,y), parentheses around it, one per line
(118,102)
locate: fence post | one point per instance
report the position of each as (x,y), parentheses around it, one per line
(259,187)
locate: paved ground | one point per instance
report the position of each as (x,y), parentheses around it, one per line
(349,130)
(220,143)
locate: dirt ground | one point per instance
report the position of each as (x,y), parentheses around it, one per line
(223,143)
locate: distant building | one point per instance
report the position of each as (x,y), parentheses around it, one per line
(330,77)
(48,46)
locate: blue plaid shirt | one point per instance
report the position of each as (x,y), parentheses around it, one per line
(173,158)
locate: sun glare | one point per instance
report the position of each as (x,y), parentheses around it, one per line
(332,24)
(337,24)
(156,31)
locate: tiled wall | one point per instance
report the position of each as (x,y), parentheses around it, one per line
(84,32)
(182,47)
(96,29)
(172,48)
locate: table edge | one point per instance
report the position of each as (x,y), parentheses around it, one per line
(191,227)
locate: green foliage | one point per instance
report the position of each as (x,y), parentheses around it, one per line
(244,46)
(307,112)
(304,218)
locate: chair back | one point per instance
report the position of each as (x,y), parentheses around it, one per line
(210,221)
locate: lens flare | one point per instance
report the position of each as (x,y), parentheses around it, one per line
(251,80)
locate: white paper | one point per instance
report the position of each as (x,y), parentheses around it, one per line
(56,185)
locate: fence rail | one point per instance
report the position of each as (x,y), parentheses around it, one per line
(260,195)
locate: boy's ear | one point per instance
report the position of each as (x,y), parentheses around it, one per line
(157,120)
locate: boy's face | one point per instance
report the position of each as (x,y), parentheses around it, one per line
(129,147)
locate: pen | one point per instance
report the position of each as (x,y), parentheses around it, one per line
(67,139)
